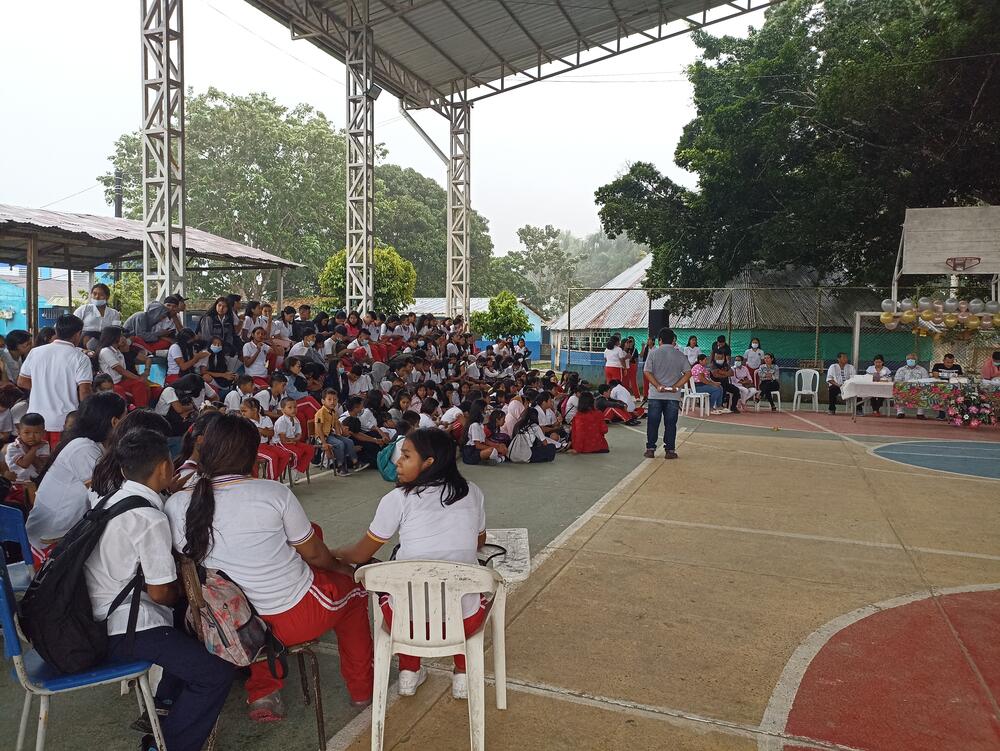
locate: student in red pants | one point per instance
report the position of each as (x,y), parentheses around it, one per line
(257,532)
(111,360)
(288,435)
(275,457)
(438,514)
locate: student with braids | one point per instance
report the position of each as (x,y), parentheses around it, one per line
(257,532)
(439,515)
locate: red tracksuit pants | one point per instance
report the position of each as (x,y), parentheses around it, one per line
(276,458)
(334,602)
(472,624)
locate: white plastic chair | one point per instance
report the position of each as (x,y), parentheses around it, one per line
(430,592)
(693,398)
(806,384)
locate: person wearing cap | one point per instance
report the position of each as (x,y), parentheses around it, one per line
(991,368)
(152,329)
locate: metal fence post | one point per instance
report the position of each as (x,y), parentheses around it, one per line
(819,309)
(569,327)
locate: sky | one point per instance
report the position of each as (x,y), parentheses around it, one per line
(538,153)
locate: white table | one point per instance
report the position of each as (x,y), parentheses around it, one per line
(516,564)
(863,387)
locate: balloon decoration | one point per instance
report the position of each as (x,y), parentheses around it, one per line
(927,314)
(887,317)
(924,303)
(996,320)
(973,322)
(976,305)
(987,321)
(950,305)
(888,305)
(968,315)
(993,307)
(907,304)
(909,316)
(951,320)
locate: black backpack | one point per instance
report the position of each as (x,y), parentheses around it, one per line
(56,614)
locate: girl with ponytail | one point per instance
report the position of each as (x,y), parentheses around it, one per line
(258,534)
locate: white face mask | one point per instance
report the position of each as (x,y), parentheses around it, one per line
(100,303)
(738,364)
(754,345)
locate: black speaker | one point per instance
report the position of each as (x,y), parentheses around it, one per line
(657,320)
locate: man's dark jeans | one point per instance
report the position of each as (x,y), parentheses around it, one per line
(667,409)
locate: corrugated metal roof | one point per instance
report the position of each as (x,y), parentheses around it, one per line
(438,307)
(95,240)
(792,307)
(426,48)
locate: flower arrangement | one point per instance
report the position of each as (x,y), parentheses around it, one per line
(970,410)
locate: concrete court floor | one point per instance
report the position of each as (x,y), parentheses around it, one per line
(545,499)
(770,590)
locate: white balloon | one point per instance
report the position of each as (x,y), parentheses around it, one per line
(924,303)
(976,305)
(889,306)
(907,304)
(950,305)
(993,306)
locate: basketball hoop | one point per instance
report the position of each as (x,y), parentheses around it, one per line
(961,263)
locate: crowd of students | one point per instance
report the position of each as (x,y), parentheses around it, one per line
(247,400)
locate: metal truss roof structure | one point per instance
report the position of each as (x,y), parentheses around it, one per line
(429,52)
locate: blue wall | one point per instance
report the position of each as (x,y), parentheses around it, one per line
(14,300)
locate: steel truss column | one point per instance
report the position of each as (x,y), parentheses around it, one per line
(163,247)
(360,62)
(459,184)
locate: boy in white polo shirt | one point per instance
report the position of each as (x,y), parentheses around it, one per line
(195,683)
(58,376)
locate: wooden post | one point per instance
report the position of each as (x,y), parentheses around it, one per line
(31,284)
(69,279)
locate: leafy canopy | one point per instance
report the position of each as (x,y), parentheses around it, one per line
(815,133)
(503,318)
(395,280)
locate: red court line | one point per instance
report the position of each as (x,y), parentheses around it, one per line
(898,679)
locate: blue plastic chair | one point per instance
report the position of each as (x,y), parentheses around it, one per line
(38,679)
(12,530)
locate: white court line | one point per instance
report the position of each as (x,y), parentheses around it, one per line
(935,455)
(801,536)
(954,473)
(780,705)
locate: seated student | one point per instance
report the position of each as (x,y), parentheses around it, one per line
(515,407)
(429,413)
(96,314)
(195,683)
(417,400)
(276,459)
(270,398)
(742,379)
(339,451)
(186,464)
(879,372)
(297,387)
(613,409)
(477,448)
(154,328)
(306,350)
(281,330)
(589,427)
(257,532)
(622,394)
(103,382)
(180,402)
(704,384)
(543,449)
(375,415)
(400,404)
(61,500)
(182,358)
(359,383)
(288,434)
(111,361)
(438,515)
(12,401)
(991,368)
(255,353)
(28,454)
(368,441)
(242,392)
(549,420)
(723,375)
(216,369)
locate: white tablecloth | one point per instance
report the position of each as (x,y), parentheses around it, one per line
(854,388)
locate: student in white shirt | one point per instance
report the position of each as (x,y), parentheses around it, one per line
(754,356)
(96,314)
(477,448)
(836,375)
(252,320)
(548,419)
(112,347)
(181,357)
(180,402)
(58,376)
(255,354)
(288,435)
(358,382)
(692,350)
(614,358)
(438,515)
(61,500)
(195,683)
(429,411)
(242,392)
(879,372)
(257,532)
(281,330)
(28,454)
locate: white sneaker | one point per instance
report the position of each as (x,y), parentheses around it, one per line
(495,458)
(459,686)
(409,681)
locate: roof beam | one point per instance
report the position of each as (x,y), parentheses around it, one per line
(472,29)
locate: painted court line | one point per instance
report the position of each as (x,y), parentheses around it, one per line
(886,458)
(780,705)
(800,536)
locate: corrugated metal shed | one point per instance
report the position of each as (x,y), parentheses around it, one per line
(754,308)
(437,306)
(86,241)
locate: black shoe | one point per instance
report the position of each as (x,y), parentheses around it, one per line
(633,421)
(147,743)
(901,415)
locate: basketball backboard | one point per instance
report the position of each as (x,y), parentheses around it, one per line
(933,236)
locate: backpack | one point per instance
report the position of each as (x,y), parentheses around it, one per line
(230,628)
(56,613)
(386,466)
(519,450)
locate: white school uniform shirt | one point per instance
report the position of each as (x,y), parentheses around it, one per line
(477,433)
(257,368)
(137,537)
(613,358)
(249,324)
(299,350)
(15,451)
(622,394)
(362,385)
(431,531)
(264,422)
(290,426)
(472,371)
(546,417)
(61,500)
(451,415)
(281,329)
(267,400)
(838,375)
(256,523)
(884,374)
(368,420)
(234,399)
(328,347)
(753,358)
(692,354)
(426,421)
(97,318)
(356,344)
(56,370)
(108,360)
(572,404)
(173,354)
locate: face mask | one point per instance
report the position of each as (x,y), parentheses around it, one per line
(340,370)
(421,343)
(128,342)
(216,348)
(738,364)
(99,303)
(754,345)
(911,362)
(996,364)
(309,342)
(719,362)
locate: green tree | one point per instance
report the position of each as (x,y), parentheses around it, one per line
(503,318)
(395,279)
(546,265)
(815,133)
(503,276)
(601,258)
